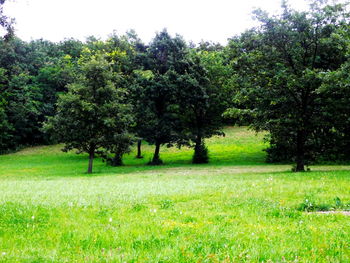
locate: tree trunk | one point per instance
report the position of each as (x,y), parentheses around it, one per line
(91,160)
(156,159)
(200,151)
(139,155)
(117,160)
(198,145)
(300,156)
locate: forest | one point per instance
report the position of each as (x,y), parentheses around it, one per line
(287,77)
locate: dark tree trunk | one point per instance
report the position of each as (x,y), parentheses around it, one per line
(156,159)
(300,154)
(139,155)
(91,160)
(117,160)
(198,142)
(200,151)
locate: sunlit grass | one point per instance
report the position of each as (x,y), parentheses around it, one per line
(235,209)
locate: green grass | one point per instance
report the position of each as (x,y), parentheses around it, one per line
(235,209)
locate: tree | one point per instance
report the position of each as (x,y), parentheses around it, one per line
(6,22)
(279,67)
(335,92)
(158,92)
(137,97)
(6,129)
(71,47)
(118,143)
(201,106)
(91,111)
(24,105)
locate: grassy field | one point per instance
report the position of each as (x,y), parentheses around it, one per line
(235,209)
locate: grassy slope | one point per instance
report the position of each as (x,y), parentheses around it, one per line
(236,208)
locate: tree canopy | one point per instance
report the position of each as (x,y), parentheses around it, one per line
(279,68)
(92,109)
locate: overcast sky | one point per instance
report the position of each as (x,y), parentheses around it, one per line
(194,19)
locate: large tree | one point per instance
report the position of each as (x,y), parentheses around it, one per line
(92,111)
(201,105)
(157,91)
(279,67)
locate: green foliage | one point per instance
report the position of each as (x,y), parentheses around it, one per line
(27,88)
(166,204)
(6,130)
(6,22)
(24,108)
(311,204)
(201,105)
(92,114)
(279,71)
(157,95)
(288,76)
(118,142)
(335,92)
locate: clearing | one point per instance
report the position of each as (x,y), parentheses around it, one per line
(235,209)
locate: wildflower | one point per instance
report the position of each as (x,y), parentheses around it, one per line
(33,217)
(3,253)
(110,220)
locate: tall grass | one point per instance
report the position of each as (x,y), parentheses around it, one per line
(234,209)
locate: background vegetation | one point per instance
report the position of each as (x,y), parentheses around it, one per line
(288,76)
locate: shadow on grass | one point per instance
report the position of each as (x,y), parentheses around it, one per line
(240,151)
(232,166)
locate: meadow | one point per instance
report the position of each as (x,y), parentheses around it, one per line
(237,208)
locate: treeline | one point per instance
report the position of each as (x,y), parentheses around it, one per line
(288,76)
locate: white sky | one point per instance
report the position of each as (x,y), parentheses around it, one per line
(193,19)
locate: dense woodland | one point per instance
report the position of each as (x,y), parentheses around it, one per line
(288,76)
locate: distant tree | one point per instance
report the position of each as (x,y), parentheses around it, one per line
(6,22)
(35,72)
(137,97)
(201,107)
(279,68)
(118,143)
(158,92)
(209,46)
(91,111)
(23,108)
(53,79)
(128,54)
(71,47)
(6,129)
(335,94)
